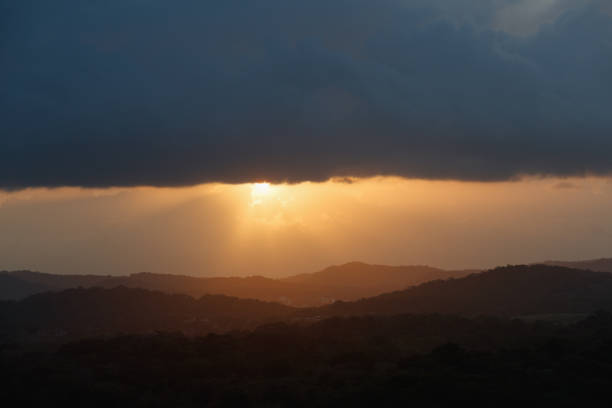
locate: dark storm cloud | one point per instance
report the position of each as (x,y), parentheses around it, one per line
(131,92)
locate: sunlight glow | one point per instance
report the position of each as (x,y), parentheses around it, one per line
(235,229)
(261,189)
(260,192)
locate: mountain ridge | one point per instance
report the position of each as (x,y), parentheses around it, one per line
(510,290)
(355,280)
(597,265)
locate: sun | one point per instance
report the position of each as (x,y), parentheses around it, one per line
(260,192)
(260,189)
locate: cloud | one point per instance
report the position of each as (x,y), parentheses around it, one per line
(134,92)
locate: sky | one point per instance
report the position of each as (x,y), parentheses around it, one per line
(280,230)
(457,133)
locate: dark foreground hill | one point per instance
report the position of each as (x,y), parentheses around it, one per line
(511,291)
(428,360)
(76,313)
(345,282)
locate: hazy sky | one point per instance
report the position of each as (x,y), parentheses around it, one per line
(475,133)
(286,229)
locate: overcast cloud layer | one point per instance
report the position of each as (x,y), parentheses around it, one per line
(133,92)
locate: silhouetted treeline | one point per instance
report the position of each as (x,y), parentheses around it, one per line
(430,360)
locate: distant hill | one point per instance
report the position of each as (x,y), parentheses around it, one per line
(597,265)
(511,291)
(60,281)
(21,284)
(97,311)
(12,287)
(357,280)
(351,281)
